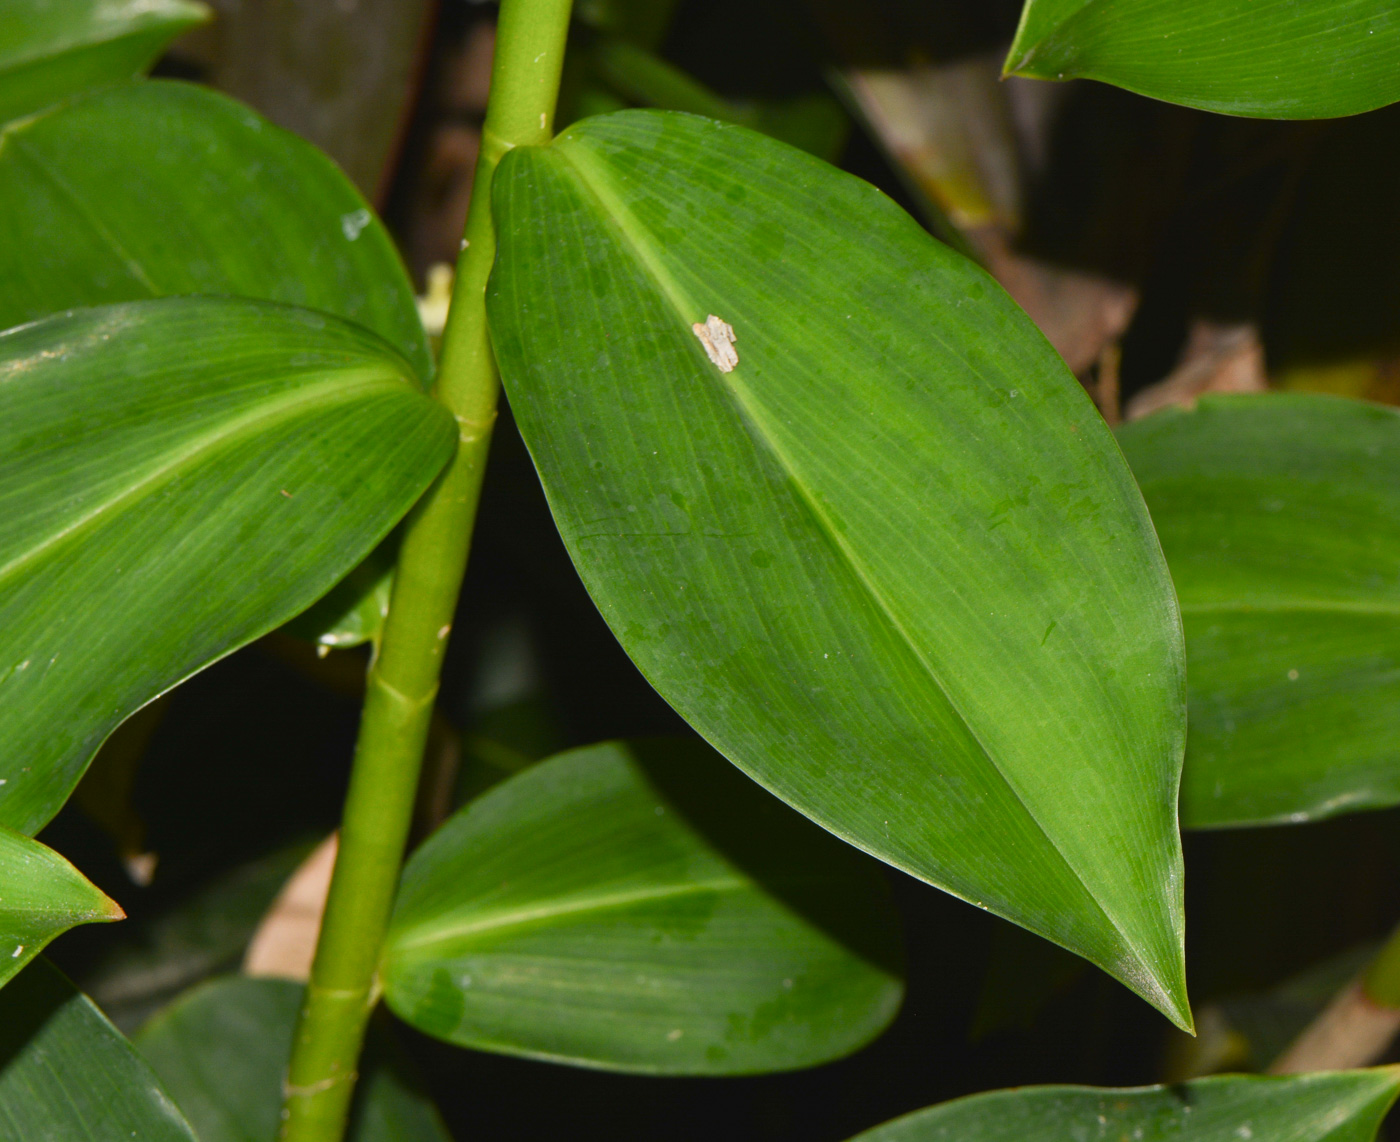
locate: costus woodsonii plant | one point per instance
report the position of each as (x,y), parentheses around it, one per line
(835,494)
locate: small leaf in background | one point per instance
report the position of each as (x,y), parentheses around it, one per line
(66,1073)
(1276,59)
(1345,1106)
(642,906)
(892,565)
(236,459)
(43,896)
(815,123)
(1249,1031)
(205,933)
(222,1051)
(353,611)
(1280,518)
(284,943)
(51,49)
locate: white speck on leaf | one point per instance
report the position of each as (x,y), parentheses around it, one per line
(17,952)
(353,223)
(672,1036)
(718,338)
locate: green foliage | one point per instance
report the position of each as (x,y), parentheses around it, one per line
(183,540)
(642,906)
(69,1074)
(1280,519)
(43,897)
(836,496)
(1275,59)
(817,558)
(1342,1107)
(221,1050)
(98,206)
(50,49)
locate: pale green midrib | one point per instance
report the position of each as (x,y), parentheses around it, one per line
(630,229)
(572,906)
(77,202)
(340,386)
(1295,606)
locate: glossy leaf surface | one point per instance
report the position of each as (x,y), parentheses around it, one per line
(642,906)
(892,565)
(1345,1106)
(41,896)
(100,202)
(222,1051)
(1280,519)
(1276,59)
(177,477)
(50,49)
(66,1073)
(160,188)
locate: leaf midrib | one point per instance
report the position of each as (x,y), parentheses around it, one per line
(79,203)
(569,906)
(341,386)
(631,229)
(1295,606)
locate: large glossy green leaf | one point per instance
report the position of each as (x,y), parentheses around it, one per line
(1345,1106)
(1277,59)
(157,189)
(177,477)
(222,1051)
(50,49)
(66,1073)
(1280,518)
(642,906)
(892,565)
(41,896)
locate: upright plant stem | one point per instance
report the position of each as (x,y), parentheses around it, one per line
(403,679)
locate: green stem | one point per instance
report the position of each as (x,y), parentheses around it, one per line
(403,679)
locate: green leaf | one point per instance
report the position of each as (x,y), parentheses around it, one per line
(100,202)
(892,565)
(1280,519)
(178,477)
(155,956)
(353,612)
(66,1073)
(51,49)
(42,897)
(1344,1106)
(1274,59)
(641,906)
(222,1051)
(160,189)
